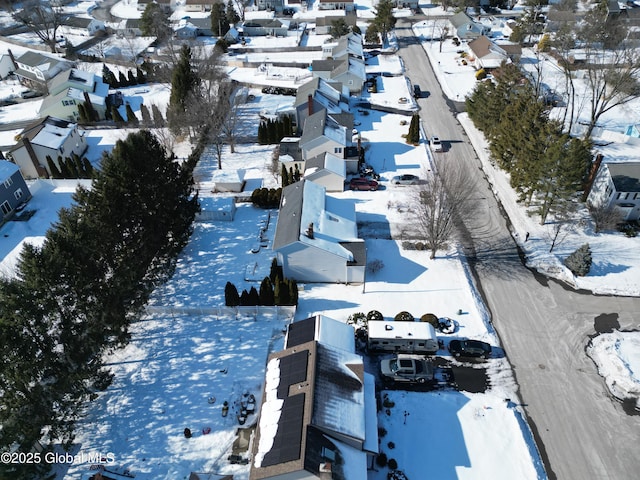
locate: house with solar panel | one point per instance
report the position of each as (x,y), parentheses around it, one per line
(316,237)
(318,413)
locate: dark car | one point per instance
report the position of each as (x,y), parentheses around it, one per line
(417,93)
(469,348)
(363,184)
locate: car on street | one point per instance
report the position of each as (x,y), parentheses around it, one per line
(406,179)
(363,184)
(436,144)
(469,348)
(407,368)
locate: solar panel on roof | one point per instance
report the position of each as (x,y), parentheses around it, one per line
(287,442)
(293,369)
(301,332)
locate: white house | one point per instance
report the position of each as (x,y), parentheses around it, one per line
(82,25)
(36,69)
(486,54)
(349,44)
(6,66)
(327,170)
(316,237)
(321,134)
(617,185)
(51,137)
(318,413)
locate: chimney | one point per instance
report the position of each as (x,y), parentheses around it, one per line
(310,104)
(595,166)
(13,59)
(309,232)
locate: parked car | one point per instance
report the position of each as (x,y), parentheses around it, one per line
(469,348)
(436,144)
(406,179)
(407,368)
(417,93)
(363,184)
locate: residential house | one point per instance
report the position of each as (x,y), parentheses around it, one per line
(51,137)
(486,54)
(270,5)
(185,30)
(13,190)
(412,4)
(617,185)
(129,28)
(86,26)
(350,44)
(290,147)
(327,170)
(6,66)
(558,19)
(324,24)
(199,5)
(35,69)
(465,27)
(71,88)
(260,27)
(347,5)
(318,94)
(203,25)
(322,133)
(316,237)
(318,414)
(349,71)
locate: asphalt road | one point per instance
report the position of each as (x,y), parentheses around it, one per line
(581,432)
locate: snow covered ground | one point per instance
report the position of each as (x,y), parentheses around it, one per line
(180,366)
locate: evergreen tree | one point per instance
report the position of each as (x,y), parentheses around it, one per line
(219,22)
(146,116)
(277,292)
(285,176)
(275,271)
(231,13)
(579,262)
(231,297)
(131,78)
(262,134)
(131,117)
(64,171)
(245,301)
(266,292)
(87,167)
(122,80)
(413,137)
(184,83)
(55,173)
(79,165)
(115,114)
(71,168)
(254,297)
(108,77)
(293,292)
(154,22)
(140,76)
(82,113)
(384,19)
(338,28)
(158,119)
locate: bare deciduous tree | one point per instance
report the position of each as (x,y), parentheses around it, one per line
(42,19)
(605,218)
(442,201)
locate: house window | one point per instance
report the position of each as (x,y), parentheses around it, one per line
(18,194)
(8,182)
(6,208)
(337,150)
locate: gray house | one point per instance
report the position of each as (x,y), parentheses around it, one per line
(322,133)
(348,70)
(316,237)
(36,69)
(318,414)
(318,94)
(13,191)
(261,27)
(327,170)
(465,27)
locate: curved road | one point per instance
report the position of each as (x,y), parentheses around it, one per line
(581,432)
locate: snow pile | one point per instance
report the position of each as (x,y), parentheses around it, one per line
(617,356)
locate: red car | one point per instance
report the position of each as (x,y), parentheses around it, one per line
(363,184)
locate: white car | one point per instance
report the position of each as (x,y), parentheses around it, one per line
(436,144)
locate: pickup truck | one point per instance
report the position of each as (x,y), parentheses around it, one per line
(407,368)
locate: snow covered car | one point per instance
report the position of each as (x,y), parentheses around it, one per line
(469,348)
(407,368)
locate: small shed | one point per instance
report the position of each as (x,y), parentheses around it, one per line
(402,337)
(228,180)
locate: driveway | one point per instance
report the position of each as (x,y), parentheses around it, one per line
(582,433)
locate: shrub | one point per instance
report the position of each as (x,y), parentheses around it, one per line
(430,318)
(381,460)
(579,262)
(544,43)
(403,317)
(386,403)
(374,315)
(231,297)
(393,464)
(375,266)
(481,74)
(381,432)
(391,445)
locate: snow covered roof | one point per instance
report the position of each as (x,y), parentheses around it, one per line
(228,176)
(322,329)
(326,161)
